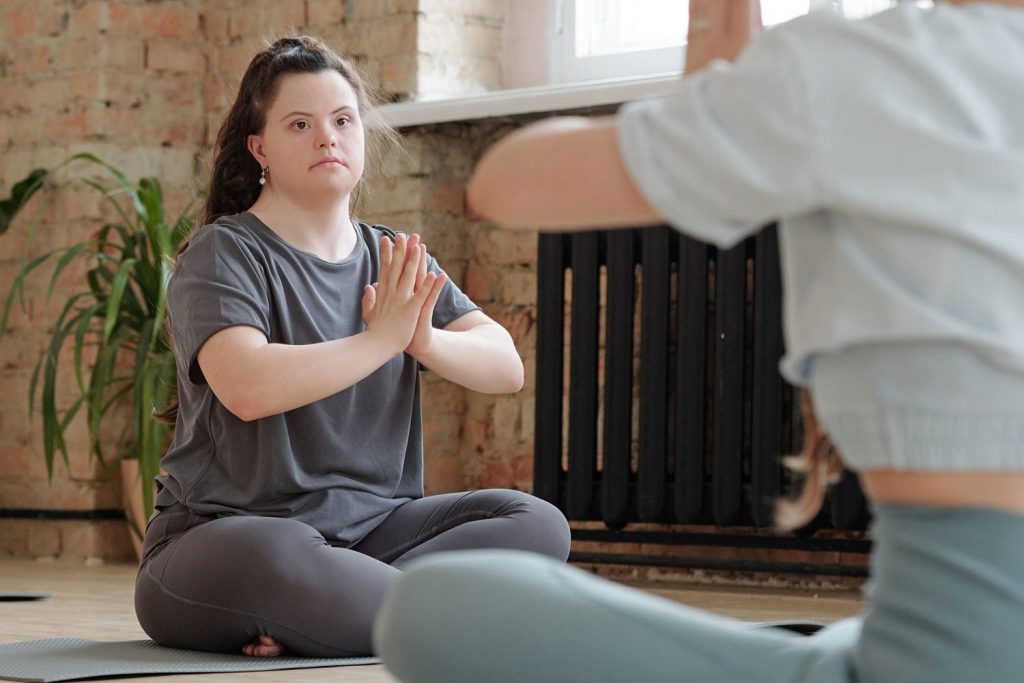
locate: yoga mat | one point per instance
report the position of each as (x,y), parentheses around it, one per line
(72,659)
(21,597)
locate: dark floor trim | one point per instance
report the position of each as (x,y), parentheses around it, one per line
(730,565)
(74,515)
(714,539)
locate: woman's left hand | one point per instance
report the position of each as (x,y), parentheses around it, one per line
(423,335)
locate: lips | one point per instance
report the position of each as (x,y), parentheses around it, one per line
(328,161)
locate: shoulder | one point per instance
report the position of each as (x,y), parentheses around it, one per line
(372,234)
(830,63)
(225,250)
(225,236)
(821,23)
(374,231)
(823,37)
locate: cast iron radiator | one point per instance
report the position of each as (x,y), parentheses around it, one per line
(658,394)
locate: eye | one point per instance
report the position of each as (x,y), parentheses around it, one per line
(343,121)
(301,125)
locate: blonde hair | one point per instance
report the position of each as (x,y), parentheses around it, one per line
(820,465)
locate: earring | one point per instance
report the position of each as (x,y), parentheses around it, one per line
(263,175)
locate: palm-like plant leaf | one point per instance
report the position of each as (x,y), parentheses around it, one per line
(18,288)
(20,194)
(121,311)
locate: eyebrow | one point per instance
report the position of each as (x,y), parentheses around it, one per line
(303,113)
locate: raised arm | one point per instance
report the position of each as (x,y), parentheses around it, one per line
(720,29)
(567,173)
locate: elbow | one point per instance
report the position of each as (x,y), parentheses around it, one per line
(244,405)
(510,375)
(512,384)
(484,198)
(491,196)
(502,385)
(501,378)
(518,379)
(512,380)
(243,410)
(248,413)
(515,375)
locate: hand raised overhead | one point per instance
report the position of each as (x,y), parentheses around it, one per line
(720,29)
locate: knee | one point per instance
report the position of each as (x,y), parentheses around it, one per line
(546,531)
(407,624)
(147,606)
(553,528)
(270,546)
(437,617)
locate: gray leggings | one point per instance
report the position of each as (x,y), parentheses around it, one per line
(215,583)
(946,605)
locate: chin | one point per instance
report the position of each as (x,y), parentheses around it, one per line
(340,178)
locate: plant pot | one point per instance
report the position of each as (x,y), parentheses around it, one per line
(131,496)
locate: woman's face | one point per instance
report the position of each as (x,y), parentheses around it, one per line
(312,141)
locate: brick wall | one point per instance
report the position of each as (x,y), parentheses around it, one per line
(472,440)
(144,84)
(119,80)
(460,46)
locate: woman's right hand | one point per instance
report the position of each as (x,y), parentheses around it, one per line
(391,307)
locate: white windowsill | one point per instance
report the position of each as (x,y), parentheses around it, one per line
(528,100)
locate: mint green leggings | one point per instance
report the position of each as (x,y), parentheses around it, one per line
(945,605)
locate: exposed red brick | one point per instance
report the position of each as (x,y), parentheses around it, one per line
(21,23)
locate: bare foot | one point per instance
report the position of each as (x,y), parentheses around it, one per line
(262,646)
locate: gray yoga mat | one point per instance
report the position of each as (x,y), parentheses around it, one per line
(72,659)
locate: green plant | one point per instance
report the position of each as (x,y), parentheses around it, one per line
(119,313)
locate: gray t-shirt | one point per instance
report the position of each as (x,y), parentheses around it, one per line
(340,464)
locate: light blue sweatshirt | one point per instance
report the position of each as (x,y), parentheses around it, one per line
(891,152)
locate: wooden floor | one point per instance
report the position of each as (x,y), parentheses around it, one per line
(95,602)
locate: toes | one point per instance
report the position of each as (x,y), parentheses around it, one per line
(262,646)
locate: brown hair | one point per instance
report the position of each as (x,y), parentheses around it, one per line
(234,181)
(820,464)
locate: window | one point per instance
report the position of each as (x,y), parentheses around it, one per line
(608,38)
(567,54)
(601,39)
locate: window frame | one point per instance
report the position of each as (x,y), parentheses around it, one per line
(566,67)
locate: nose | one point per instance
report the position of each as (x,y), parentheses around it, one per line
(327,138)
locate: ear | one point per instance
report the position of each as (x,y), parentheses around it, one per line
(254,143)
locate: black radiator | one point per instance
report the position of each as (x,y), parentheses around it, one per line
(658,393)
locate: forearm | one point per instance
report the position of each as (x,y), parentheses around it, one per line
(564,173)
(720,29)
(254,379)
(275,378)
(482,358)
